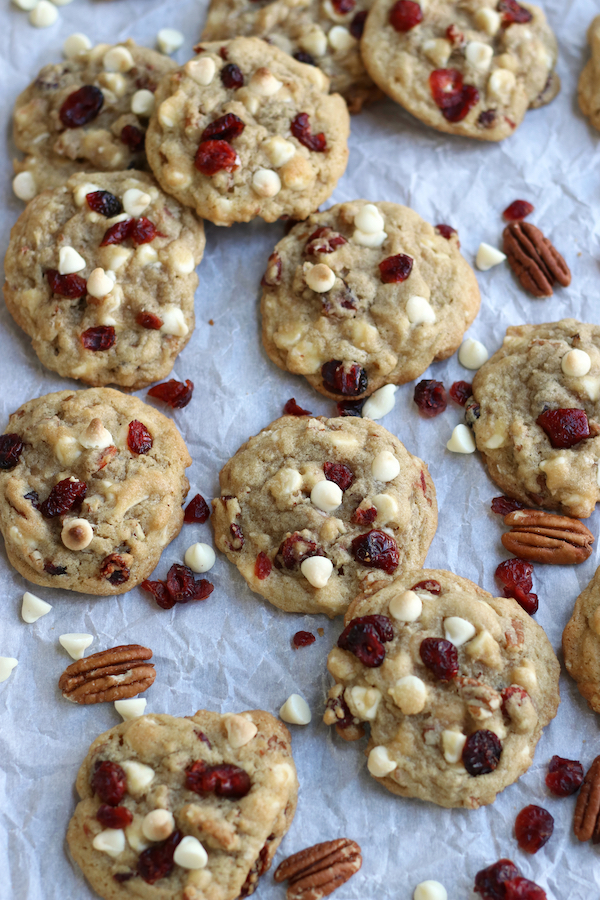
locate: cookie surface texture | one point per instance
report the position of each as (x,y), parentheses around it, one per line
(158,763)
(382,304)
(244,130)
(453,736)
(472,68)
(93,493)
(581,643)
(524,379)
(88,114)
(589,81)
(314,510)
(124,307)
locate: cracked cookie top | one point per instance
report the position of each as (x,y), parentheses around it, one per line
(589,81)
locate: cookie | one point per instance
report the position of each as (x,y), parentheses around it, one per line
(314,510)
(455,685)
(87,114)
(468,67)
(187,808)
(365,294)
(536,412)
(100,274)
(589,81)
(244,130)
(91,487)
(581,643)
(325,34)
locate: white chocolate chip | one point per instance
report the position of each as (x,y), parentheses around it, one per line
(169,40)
(173,322)
(369,219)
(437,51)
(99,284)
(266,182)
(7,664)
(76,534)
(496,440)
(33,608)
(146,255)
(240,731)
(295,710)
(190,854)
(139,776)
(183,261)
(67,449)
(118,59)
(430,890)
(500,85)
(315,42)
(279,150)
(406,607)
(409,694)
(62,2)
(75,644)
(458,631)
(472,354)
(364,702)
(369,239)
(263,82)
(380,403)
(96,436)
(110,841)
(202,70)
(26,4)
(115,82)
(488,256)
(488,20)
(317,570)
(320,278)
(379,763)
(326,495)
(43,15)
(75,44)
(420,311)
(485,648)
(340,39)
(387,508)
(135,202)
(158,825)
(200,557)
(452,745)
(385,467)
(576,362)
(462,440)
(70,261)
(132,708)
(479,55)
(24,186)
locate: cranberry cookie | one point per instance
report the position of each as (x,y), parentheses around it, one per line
(535,412)
(324,33)
(184,809)
(244,130)
(456,686)
(589,82)
(314,510)
(472,67)
(100,274)
(91,487)
(365,294)
(87,114)
(581,643)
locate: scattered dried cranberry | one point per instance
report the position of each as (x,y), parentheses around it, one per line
(377,550)
(296,548)
(350,407)
(223,780)
(133,138)
(63,497)
(395,268)
(512,12)
(176,393)
(430,397)
(291,408)
(139,439)
(405,14)
(481,753)
(51,569)
(11,447)
(304,57)
(431,586)
(533,828)
(149,320)
(343,7)
(324,240)
(440,657)
(109,782)
(100,337)
(348,379)
(114,569)
(357,25)
(446,231)
(300,128)
(70,286)
(225,128)
(159,591)
(104,203)
(564,777)
(365,637)
(303,639)
(117,233)
(197,510)
(365,515)
(517,211)
(339,474)
(143,231)
(564,427)
(81,106)
(231,76)
(214,156)
(490,882)
(157,861)
(180,587)
(520,888)
(505,505)
(454,98)
(114,816)
(262,566)
(460,392)
(515,576)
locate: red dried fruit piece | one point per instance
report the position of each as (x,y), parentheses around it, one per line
(51,569)
(143,231)
(70,286)
(291,408)
(303,639)
(343,7)
(446,231)
(339,704)
(564,427)
(81,106)
(300,128)
(223,780)
(339,474)
(197,510)
(100,337)
(365,637)
(157,861)
(139,439)
(357,25)
(225,128)
(515,692)
(109,782)
(344,378)
(481,753)
(377,550)
(451,95)
(455,35)
(486,118)
(513,13)
(523,889)
(533,828)
(324,240)
(395,268)
(134,138)
(214,156)
(63,497)
(176,393)
(565,776)
(468,99)
(117,233)
(430,397)
(121,877)
(159,591)
(365,515)
(33,496)
(149,320)
(490,882)
(405,14)
(350,407)
(296,548)
(182,586)
(505,505)
(104,203)
(11,447)
(237,535)
(517,211)
(440,657)
(515,576)
(114,569)
(460,392)
(433,587)
(114,816)
(262,566)
(231,76)
(302,56)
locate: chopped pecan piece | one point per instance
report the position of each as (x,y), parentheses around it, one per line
(109,675)
(317,871)
(547,538)
(586,821)
(534,260)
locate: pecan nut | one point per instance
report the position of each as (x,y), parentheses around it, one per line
(108,675)
(586,820)
(547,538)
(534,260)
(317,871)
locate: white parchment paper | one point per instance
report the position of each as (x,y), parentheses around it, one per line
(233,651)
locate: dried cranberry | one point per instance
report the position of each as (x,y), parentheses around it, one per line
(460,392)
(324,240)
(339,474)
(296,548)
(523,889)
(303,639)
(291,408)
(490,882)
(446,231)
(51,569)
(343,7)
(109,782)
(350,408)
(517,211)
(114,569)
(377,550)
(63,497)
(157,861)
(11,447)
(176,393)
(430,397)
(486,118)
(455,35)
(159,591)
(395,268)
(117,233)
(304,57)
(515,576)
(73,287)
(365,637)
(469,98)
(505,505)
(339,705)
(197,510)
(357,25)
(564,427)
(214,156)
(262,566)
(133,138)
(348,379)
(440,657)
(114,816)
(231,76)
(300,128)
(149,320)
(481,753)
(225,128)
(139,439)
(81,106)
(33,497)
(431,586)
(451,95)
(104,203)
(512,12)
(143,231)
(100,337)
(405,14)
(223,780)
(237,535)
(533,828)
(182,586)
(564,777)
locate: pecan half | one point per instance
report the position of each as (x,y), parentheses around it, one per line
(547,538)
(534,260)
(317,871)
(108,675)
(586,821)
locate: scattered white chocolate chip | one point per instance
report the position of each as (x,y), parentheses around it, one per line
(75,644)
(458,631)
(380,403)
(110,841)
(501,84)
(320,278)
(240,731)
(379,763)
(387,508)
(317,570)
(279,150)
(326,495)
(488,20)
(462,440)
(315,42)
(132,708)
(43,14)
(406,607)
(340,39)
(369,220)
(135,202)
(430,890)
(173,321)
(139,776)
(409,694)
(295,710)
(266,183)
(420,311)
(479,55)
(369,239)
(118,59)
(263,82)
(76,534)
(488,256)
(7,664)
(70,261)
(75,44)
(158,825)
(24,186)
(99,284)
(576,362)
(33,608)
(385,467)
(26,5)
(200,557)
(96,436)
(472,354)
(62,2)
(202,70)
(190,854)
(452,745)
(169,40)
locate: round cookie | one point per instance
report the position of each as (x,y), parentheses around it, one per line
(312,510)
(87,114)
(436,730)
(326,34)
(472,68)
(126,309)
(244,130)
(183,840)
(364,295)
(589,81)
(581,643)
(91,487)
(538,370)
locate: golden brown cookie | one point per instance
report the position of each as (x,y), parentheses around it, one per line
(581,643)
(589,81)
